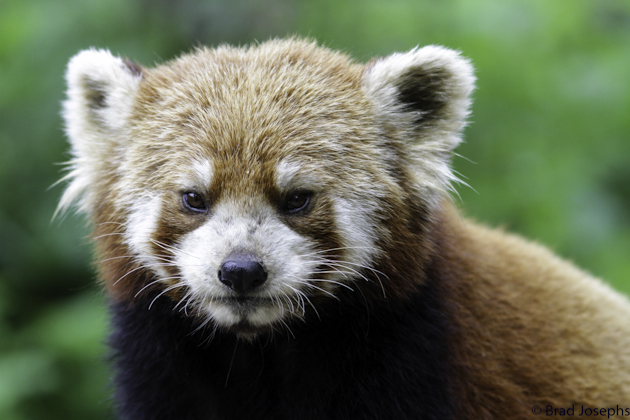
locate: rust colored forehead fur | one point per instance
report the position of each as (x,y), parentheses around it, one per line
(248,109)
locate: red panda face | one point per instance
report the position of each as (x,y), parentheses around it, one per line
(248,185)
(252,256)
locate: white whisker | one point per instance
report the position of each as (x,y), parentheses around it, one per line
(147,286)
(319,288)
(107,234)
(333,282)
(128,272)
(168,289)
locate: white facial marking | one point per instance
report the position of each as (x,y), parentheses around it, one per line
(203,171)
(255,230)
(141,225)
(355,221)
(250,225)
(291,175)
(200,175)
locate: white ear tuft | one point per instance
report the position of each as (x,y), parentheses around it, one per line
(423,96)
(428,87)
(101,92)
(101,89)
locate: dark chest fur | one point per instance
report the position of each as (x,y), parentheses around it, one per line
(382,361)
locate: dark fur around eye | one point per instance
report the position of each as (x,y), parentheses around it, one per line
(296,201)
(194,201)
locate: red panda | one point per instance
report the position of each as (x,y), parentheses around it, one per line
(274,233)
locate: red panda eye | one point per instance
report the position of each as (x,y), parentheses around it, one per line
(194,201)
(297,201)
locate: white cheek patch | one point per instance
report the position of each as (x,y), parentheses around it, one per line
(355,222)
(141,226)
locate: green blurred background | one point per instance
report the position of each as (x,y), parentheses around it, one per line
(546,152)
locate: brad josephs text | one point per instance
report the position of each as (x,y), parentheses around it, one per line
(587,411)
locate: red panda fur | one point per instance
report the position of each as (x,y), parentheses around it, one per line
(273,230)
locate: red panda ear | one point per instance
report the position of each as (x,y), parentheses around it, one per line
(426,89)
(101,92)
(101,89)
(422,97)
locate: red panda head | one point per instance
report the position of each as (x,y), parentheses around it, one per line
(251,184)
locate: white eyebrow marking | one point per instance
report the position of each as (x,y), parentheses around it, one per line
(291,174)
(203,170)
(198,175)
(285,172)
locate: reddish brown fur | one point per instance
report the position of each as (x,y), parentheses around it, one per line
(246,140)
(525,336)
(527,328)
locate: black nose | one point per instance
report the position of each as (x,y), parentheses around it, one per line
(242,273)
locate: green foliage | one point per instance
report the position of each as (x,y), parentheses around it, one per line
(546,152)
